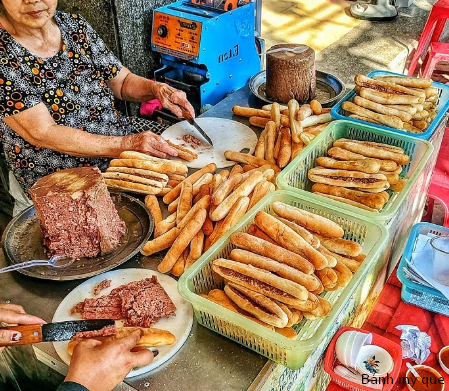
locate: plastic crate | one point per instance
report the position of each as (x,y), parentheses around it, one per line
(442,106)
(391,347)
(417,294)
(199,279)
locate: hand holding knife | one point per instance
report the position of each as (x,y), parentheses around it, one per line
(192,122)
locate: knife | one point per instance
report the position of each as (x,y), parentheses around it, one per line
(60,331)
(192,121)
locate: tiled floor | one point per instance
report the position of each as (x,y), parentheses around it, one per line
(316,23)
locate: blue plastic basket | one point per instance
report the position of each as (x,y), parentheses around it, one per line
(417,294)
(442,106)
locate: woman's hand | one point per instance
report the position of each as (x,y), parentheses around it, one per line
(15,314)
(101,366)
(173,99)
(149,143)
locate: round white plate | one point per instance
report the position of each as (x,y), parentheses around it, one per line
(180,325)
(225,134)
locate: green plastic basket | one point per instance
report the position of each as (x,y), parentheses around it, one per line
(199,279)
(294,176)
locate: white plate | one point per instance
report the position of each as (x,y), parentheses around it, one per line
(180,325)
(225,134)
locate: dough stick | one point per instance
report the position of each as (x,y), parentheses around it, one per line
(196,249)
(153,205)
(388,120)
(248,159)
(260,191)
(201,204)
(269,142)
(185,201)
(225,188)
(161,242)
(182,241)
(179,266)
(277,145)
(259,152)
(316,107)
(237,169)
(285,150)
(304,112)
(276,115)
(295,125)
(297,148)
(164,225)
(250,112)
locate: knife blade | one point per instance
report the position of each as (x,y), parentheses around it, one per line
(192,122)
(58,331)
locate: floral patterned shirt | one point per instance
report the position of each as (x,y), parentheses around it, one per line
(71,84)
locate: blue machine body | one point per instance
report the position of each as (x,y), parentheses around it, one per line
(207,52)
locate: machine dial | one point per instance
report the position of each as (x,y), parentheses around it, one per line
(162,31)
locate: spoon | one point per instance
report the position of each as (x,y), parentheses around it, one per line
(414,371)
(55,261)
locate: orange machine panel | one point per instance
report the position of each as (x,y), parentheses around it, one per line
(177,34)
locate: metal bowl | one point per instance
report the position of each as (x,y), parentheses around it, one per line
(329,88)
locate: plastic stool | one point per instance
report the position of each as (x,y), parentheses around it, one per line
(439,186)
(437,17)
(438,51)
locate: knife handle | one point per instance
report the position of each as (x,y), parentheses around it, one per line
(31,333)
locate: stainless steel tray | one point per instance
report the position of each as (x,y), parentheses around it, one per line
(329,89)
(22,241)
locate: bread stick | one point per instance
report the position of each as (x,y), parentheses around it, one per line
(248,159)
(250,112)
(259,152)
(165,225)
(295,125)
(276,115)
(236,169)
(185,201)
(183,152)
(196,249)
(316,107)
(261,189)
(201,204)
(296,148)
(161,242)
(254,230)
(304,112)
(385,86)
(269,142)
(413,82)
(387,98)
(379,108)
(388,120)
(369,166)
(179,266)
(285,149)
(304,233)
(152,204)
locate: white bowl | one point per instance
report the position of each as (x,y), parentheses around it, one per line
(343,347)
(443,366)
(374,361)
(360,340)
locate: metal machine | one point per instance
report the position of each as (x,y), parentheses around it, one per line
(207,50)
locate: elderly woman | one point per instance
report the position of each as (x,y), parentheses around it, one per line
(58,81)
(94,366)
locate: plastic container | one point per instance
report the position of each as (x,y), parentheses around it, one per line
(311,335)
(417,294)
(294,176)
(391,347)
(442,106)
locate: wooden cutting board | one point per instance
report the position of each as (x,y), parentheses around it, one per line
(180,325)
(225,134)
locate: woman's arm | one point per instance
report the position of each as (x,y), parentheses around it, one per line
(133,88)
(37,127)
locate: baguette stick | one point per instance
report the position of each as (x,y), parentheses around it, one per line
(347,201)
(259,152)
(172,183)
(344,154)
(225,189)
(224,173)
(276,115)
(309,281)
(157,176)
(331,261)
(388,120)
(388,99)
(285,149)
(161,242)
(289,239)
(411,128)
(289,315)
(250,112)
(152,204)
(268,107)
(180,167)
(306,235)
(177,177)
(316,107)
(407,108)
(165,225)
(310,221)
(254,230)
(373,152)
(248,159)
(277,145)
(368,166)
(364,81)
(341,246)
(316,119)
(351,264)
(261,189)
(204,190)
(378,108)
(204,180)
(164,191)
(182,241)
(203,203)
(414,82)
(237,211)
(316,129)
(372,200)
(260,122)
(265,248)
(343,273)
(179,266)
(174,193)
(267,172)
(208,226)
(295,125)
(304,112)
(328,277)
(297,148)
(185,201)
(133,186)
(183,152)
(243,190)
(196,249)
(366,119)
(321,311)
(269,142)
(236,169)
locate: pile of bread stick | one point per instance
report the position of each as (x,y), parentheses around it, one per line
(358,173)
(287,129)
(281,264)
(202,209)
(405,103)
(143,174)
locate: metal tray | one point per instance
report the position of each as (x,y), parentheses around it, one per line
(329,89)
(22,241)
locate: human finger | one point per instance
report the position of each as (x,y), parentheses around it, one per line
(131,340)
(10,336)
(142,357)
(9,316)
(154,152)
(14,307)
(165,148)
(87,344)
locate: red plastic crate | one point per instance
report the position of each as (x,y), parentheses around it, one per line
(391,347)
